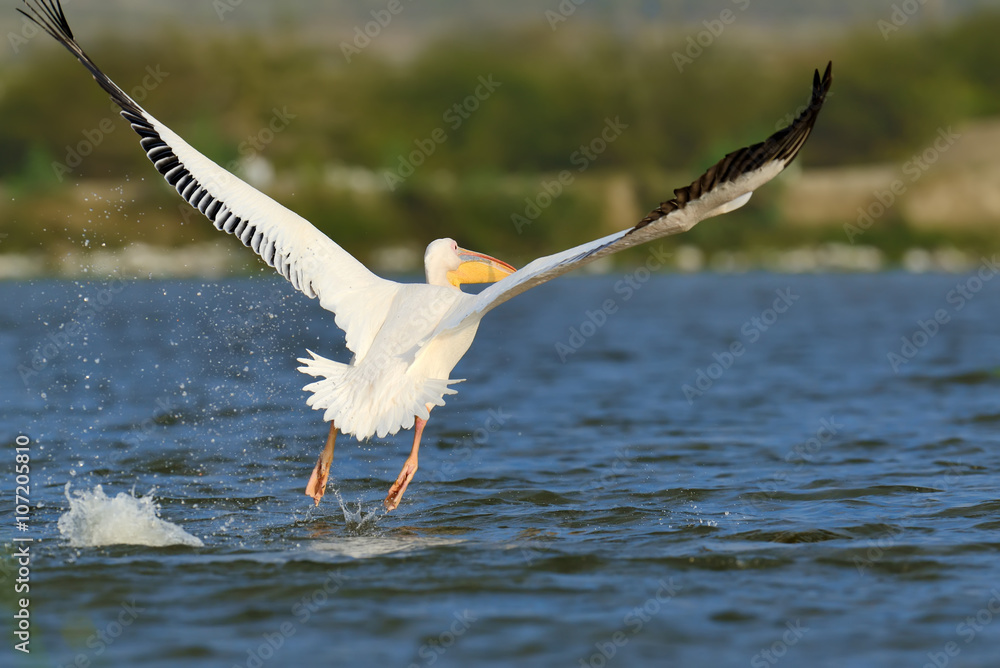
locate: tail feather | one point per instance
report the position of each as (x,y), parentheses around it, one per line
(364,401)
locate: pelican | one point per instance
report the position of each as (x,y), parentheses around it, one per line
(407,338)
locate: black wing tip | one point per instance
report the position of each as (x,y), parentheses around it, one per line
(49,16)
(804,122)
(782,145)
(827,76)
(821,85)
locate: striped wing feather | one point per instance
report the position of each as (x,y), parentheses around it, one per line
(311,261)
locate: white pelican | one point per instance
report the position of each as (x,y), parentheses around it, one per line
(407,338)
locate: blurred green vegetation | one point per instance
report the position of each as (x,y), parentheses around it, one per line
(889,98)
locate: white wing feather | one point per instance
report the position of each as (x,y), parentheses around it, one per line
(312,262)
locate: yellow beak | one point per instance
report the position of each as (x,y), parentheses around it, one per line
(478,268)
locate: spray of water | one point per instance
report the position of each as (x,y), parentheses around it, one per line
(357,521)
(95,519)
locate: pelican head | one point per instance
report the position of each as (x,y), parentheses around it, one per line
(445,263)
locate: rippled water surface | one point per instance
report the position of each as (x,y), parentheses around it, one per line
(800,503)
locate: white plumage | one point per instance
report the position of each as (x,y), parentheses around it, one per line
(407,339)
(402,369)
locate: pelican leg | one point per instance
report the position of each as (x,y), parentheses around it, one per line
(409,468)
(317,481)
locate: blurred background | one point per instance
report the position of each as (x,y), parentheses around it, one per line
(518,128)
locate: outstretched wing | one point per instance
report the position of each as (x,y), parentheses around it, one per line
(726,186)
(310,260)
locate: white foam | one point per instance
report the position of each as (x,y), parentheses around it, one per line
(95,519)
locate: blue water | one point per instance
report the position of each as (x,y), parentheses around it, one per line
(801,503)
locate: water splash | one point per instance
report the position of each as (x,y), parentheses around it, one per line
(95,519)
(357,521)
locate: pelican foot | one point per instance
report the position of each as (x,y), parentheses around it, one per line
(396,491)
(316,487)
